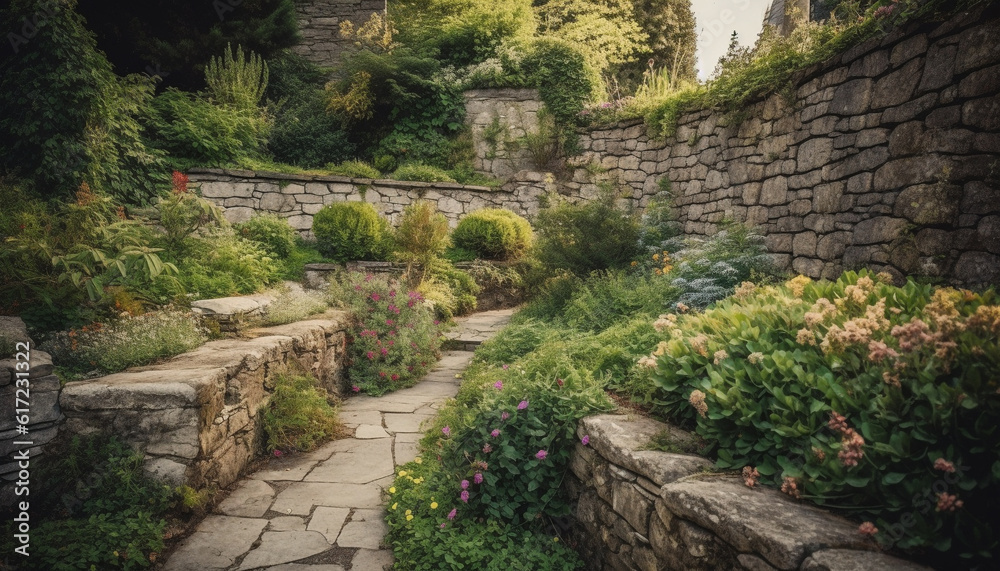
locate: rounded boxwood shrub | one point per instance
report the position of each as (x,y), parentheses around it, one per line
(493,234)
(352,231)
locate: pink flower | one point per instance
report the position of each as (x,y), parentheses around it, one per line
(278,453)
(559,382)
(384,351)
(947,502)
(452,513)
(371,354)
(478,478)
(505,415)
(376,297)
(443,525)
(522,405)
(395,377)
(868,528)
(388,322)
(355,388)
(487,449)
(585,440)
(446,430)
(464,484)
(750,476)
(505,367)
(541,454)
(495,433)
(392,293)
(465,496)
(944,466)
(498,385)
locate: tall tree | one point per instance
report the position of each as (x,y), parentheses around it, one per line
(670,28)
(175,38)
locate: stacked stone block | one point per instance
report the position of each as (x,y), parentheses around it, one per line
(319,24)
(640,509)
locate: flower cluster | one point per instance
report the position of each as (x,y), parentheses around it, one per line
(851,443)
(750,476)
(697,400)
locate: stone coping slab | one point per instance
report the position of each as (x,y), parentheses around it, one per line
(405,184)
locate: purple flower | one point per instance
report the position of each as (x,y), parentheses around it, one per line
(478,478)
(495,433)
(464,484)
(355,388)
(585,440)
(498,385)
(522,405)
(505,415)
(541,454)
(505,367)
(443,525)
(452,513)
(465,496)
(277,452)
(446,430)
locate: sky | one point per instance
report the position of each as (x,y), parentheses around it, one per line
(716,20)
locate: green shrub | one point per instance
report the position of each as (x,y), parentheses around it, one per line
(305,134)
(68,118)
(97,510)
(421,173)
(354,169)
(564,79)
(421,238)
(455,254)
(299,415)
(198,133)
(855,394)
(235,79)
(423,537)
(394,337)
(494,233)
(269,231)
(220,264)
(351,231)
(126,342)
(581,238)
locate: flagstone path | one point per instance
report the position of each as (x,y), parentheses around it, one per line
(323,511)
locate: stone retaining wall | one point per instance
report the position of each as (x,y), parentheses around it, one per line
(885,156)
(319,24)
(299,197)
(647,510)
(499,119)
(196,416)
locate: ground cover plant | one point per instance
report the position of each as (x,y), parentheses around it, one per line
(299,415)
(855,394)
(394,338)
(101,511)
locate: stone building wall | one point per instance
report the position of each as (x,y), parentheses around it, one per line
(887,156)
(658,511)
(299,197)
(319,24)
(499,120)
(196,417)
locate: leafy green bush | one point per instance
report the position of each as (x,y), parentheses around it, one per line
(298,415)
(494,234)
(305,134)
(421,173)
(354,169)
(421,238)
(270,231)
(68,119)
(197,132)
(581,238)
(98,510)
(126,342)
(351,231)
(855,394)
(394,337)
(565,81)
(423,536)
(219,264)
(236,79)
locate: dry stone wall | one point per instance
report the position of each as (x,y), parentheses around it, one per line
(299,197)
(887,156)
(654,511)
(196,417)
(319,24)
(499,120)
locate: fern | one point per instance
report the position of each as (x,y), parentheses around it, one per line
(238,81)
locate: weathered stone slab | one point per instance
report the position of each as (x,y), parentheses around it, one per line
(369,461)
(849,560)
(365,530)
(216,544)
(278,547)
(329,522)
(300,497)
(252,498)
(761,520)
(619,439)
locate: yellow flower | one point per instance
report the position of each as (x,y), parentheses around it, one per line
(555,539)
(417,460)
(409,517)
(402,473)
(418,480)
(408,512)
(434,505)
(634,263)
(116,554)
(656,257)
(394,506)
(392,490)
